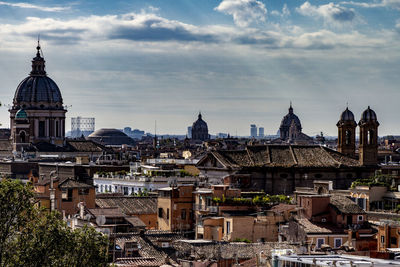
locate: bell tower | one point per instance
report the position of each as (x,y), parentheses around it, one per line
(347,133)
(368,149)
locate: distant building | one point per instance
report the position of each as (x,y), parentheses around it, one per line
(82,126)
(189,132)
(222,135)
(290,128)
(200,129)
(135,134)
(253,130)
(261,132)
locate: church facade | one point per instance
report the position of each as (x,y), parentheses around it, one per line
(37,113)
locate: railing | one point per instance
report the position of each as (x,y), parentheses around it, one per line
(212,209)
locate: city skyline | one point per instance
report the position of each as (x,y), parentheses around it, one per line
(239,61)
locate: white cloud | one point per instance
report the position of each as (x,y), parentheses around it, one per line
(330,13)
(383,3)
(244,12)
(284,13)
(161,32)
(31,6)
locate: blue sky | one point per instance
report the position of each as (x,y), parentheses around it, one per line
(129,63)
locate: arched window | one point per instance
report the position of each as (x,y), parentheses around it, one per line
(22,137)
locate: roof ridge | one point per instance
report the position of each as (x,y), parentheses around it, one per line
(330,156)
(250,158)
(293,155)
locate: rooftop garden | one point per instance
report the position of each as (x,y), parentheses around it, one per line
(259,200)
(376,180)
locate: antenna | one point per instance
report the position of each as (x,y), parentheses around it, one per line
(155,127)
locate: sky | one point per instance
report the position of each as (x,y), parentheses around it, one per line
(239,62)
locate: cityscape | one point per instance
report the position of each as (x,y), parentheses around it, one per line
(161,139)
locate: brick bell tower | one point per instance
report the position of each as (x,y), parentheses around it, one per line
(347,133)
(368,149)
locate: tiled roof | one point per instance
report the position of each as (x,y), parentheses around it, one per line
(70,183)
(107,212)
(129,205)
(85,146)
(283,156)
(345,205)
(135,221)
(320,228)
(138,261)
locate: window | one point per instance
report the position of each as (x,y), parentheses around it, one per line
(320,242)
(382,239)
(360,218)
(228,228)
(66,195)
(22,137)
(167,214)
(160,212)
(370,136)
(42,129)
(57,129)
(393,240)
(84,191)
(338,242)
(183,214)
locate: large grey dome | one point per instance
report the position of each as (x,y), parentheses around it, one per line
(111,137)
(107,132)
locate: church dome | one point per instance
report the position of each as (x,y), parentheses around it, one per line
(199,124)
(289,118)
(38,88)
(110,136)
(368,115)
(347,115)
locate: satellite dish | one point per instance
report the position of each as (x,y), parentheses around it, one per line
(100,220)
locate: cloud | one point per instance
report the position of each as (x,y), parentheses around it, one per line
(284,13)
(395,4)
(153,29)
(244,12)
(330,13)
(31,6)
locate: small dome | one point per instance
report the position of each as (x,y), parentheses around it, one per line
(368,115)
(289,118)
(347,115)
(21,114)
(199,124)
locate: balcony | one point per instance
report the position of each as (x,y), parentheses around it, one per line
(210,209)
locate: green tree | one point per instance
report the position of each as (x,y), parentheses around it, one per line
(39,238)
